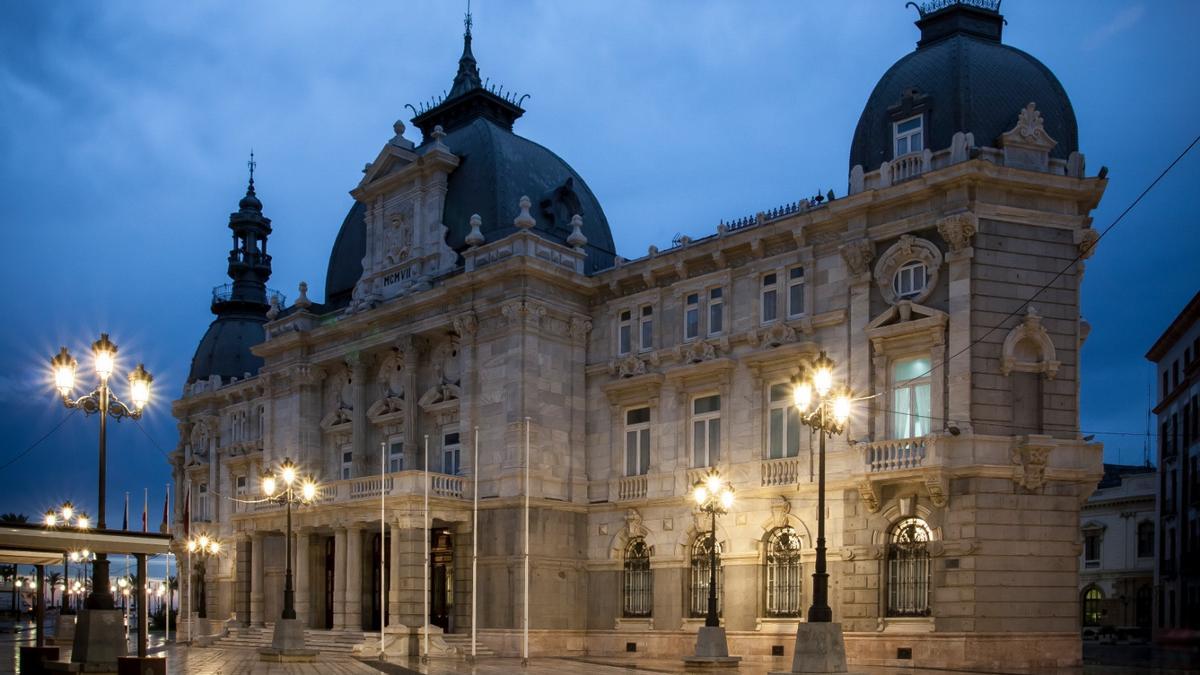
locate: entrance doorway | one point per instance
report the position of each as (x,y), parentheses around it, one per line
(329,572)
(441,578)
(380,587)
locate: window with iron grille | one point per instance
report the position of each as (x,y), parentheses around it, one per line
(785,582)
(701,571)
(908,569)
(638,580)
(1093,598)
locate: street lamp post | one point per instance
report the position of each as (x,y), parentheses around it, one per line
(820,645)
(67,516)
(286,486)
(101,400)
(203,546)
(713,495)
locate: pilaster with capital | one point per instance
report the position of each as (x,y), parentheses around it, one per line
(359,364)
(466,326)
(958,230)
(257,580)
(300,577)
(857,255)
(394,576)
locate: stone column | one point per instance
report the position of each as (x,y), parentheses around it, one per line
(407,347)
(300,577)
(340,572)
(410,563)
(461,616)
(466,325)
(354,575)
(257,581)
(394,577)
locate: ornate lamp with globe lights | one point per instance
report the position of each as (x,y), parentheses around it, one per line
(103,401)
(826,408)
(285,485)
(203,546)
(67,516)
(713,495)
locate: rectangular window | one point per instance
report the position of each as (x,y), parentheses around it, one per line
(770,297)
(637,441)
(716,311)
(1145,539)
(706,430)
(395,455)
(647,329)
(691,317)
(1091,549)
(910,398)
(450,453)
(1166,383)
(796,291)
(240,486)
(347,463)
(202,502)
(909,135)
(625,332)
(783,428)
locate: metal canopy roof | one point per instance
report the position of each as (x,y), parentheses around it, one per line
(33,544)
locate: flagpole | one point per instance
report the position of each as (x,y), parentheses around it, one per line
(475,542)
(525,638)
(425,533)
(170,598)
(382,547)
(145,509)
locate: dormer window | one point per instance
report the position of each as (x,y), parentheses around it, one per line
(910,280)
(909,134)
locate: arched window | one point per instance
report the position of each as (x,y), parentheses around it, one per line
(785,583)
(638,583)
(908,569)
(1092,599)
(701,571)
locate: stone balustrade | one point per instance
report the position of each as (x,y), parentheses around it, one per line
(894,455)
(631,487)
(781,471)
(372,487)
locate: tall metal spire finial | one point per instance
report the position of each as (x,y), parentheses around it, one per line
(467,20)
(252,164)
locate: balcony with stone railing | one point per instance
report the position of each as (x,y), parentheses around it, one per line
(402,483)
(895,455)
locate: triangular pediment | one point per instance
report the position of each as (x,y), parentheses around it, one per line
(905,312)
(390,160)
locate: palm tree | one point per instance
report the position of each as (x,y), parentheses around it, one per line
(13,518)
(55,579)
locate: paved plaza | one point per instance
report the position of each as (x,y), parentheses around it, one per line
(1100,660)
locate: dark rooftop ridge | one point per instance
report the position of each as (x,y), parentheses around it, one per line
(941,19)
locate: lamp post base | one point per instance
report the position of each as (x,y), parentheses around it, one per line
(99,639)
(820,648)
(287,644)
(712,650)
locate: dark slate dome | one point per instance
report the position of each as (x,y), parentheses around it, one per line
(496,168)
(962,79)
(225,348)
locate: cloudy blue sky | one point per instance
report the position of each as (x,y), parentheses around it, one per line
(125,126)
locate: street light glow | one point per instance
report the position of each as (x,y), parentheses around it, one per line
(104,352)
(802,396)
(51,519)
(700,494)
(308,490)
(841,409)
(139,386)
(268,485)
(64,371)
(84,523)
(288,473)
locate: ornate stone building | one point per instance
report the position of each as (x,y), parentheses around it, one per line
(474,296)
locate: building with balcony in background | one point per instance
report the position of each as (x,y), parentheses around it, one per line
(474,297)
(1176,358)
(1116,568)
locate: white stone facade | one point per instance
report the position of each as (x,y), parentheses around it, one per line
(1116,568)
(953,501)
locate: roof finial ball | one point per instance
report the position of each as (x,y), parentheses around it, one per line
(524,220)
(475,236)
(577,239)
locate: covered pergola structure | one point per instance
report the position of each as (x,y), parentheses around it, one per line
(39,545)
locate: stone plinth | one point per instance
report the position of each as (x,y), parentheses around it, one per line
(820,648)
(99,639)
(64,630)
(33,659)
(712,650)
(287,644)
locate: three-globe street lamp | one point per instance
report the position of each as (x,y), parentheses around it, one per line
(289,476)
(203,546)
(826,409)
(101,400)
(713,495)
